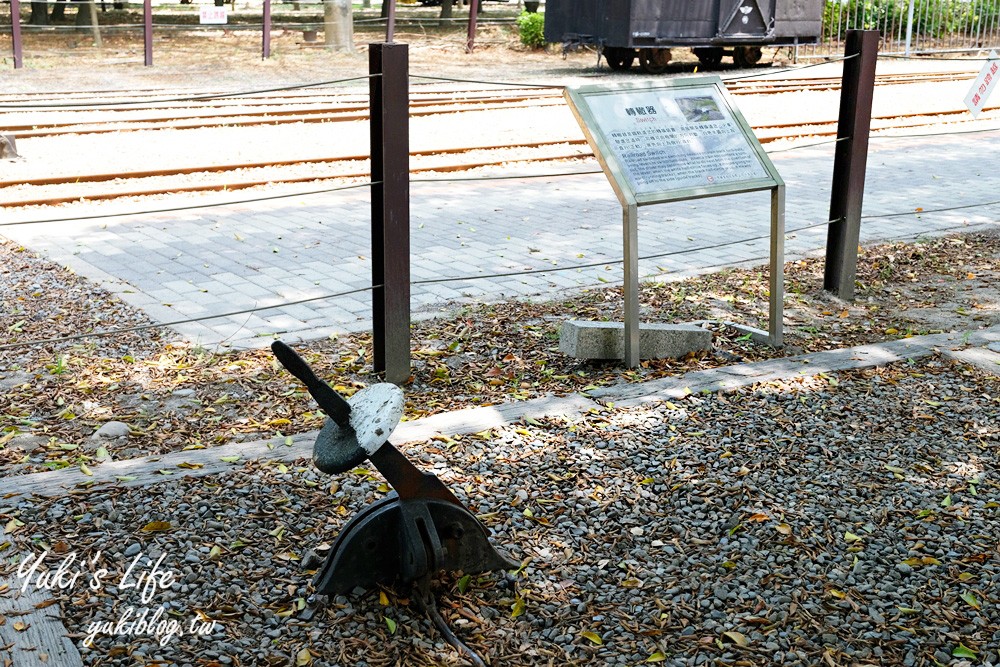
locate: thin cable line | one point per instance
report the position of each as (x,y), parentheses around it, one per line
(790,69)
(193,98)
(591,265)
(555,269)
(818,143)
(487,83)
(960,60)
(931,134)
(194,206)
(931,210)
(509,177)
(203,318)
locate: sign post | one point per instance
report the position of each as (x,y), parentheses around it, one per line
(147,32)
(850,162)
(15,32)
(676,140)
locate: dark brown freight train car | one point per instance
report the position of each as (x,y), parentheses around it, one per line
(626,30)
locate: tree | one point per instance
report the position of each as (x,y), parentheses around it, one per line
(39,13)
(446,9)
(59,10)
(338,25)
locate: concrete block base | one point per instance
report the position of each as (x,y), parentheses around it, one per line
(756,335)
(606,340)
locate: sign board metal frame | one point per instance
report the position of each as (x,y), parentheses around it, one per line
(690,136)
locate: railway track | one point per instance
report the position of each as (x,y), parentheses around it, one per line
(302,106)
(142,112)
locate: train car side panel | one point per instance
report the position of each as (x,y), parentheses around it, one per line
(665,23)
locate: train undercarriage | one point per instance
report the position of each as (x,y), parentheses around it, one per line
(655,60)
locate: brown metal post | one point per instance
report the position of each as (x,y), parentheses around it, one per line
(850,162)
(265,41)
(390,155)
(147,31)
(390,25)
(470,41)
(15,32)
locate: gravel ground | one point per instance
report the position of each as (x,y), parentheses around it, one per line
(839,520)
(147,393)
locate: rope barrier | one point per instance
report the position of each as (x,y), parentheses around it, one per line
(190,320)
(193,206)
(454,179)
(196,98)
(960,60)
(832,59)
(555,269)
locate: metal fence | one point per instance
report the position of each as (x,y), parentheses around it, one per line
(912,27)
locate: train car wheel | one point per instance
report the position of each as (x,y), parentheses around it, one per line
(709,56)
(619,58)
(654,61)
(747,56)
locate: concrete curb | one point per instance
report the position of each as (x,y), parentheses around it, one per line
(967,347)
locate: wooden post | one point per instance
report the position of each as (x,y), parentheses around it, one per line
(850,162)
(265,40)
(390,155)
(15,32)
(390,24)
(147,31)
(470,41)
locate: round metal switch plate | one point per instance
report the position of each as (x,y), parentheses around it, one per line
(375,413)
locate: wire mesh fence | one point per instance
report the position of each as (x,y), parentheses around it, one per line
(913,27)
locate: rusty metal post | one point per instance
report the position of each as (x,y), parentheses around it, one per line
(470,41)
(390,155)
(15,32)
(265,40)
(390,24)
(147,31)
(850,162)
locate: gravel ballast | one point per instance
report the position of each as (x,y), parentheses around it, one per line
(842,519)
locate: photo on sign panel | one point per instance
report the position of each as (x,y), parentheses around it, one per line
(699,109)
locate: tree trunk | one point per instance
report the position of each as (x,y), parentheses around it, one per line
(82,14)
(59,11)
(446,9)
(385,9)
(39,14)
(338,25)
(98,42)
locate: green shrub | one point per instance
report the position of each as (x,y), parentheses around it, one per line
(532,29)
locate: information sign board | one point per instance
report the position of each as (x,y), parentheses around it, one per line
(671,139)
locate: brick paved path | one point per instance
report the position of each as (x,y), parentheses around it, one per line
(217,260)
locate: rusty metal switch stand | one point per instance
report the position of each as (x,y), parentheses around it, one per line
(418,529)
